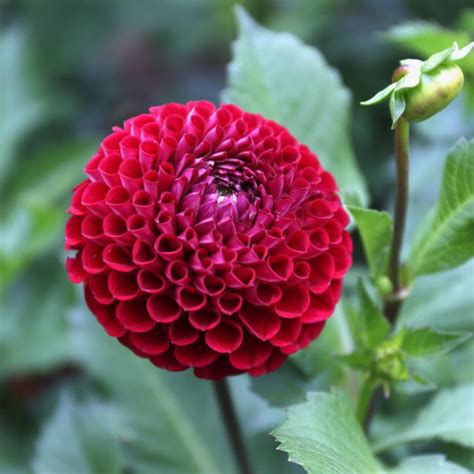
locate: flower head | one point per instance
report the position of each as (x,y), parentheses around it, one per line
(208,238)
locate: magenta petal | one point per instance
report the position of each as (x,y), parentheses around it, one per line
(294,302)
(261,322)
(224,338)
(134,316)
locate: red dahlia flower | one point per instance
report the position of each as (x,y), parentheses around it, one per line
(208,238)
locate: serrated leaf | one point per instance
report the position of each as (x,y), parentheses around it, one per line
(426,342)
(375,326)
(397,107)
(449,417)
(375,228)
(323,436)
(276,75)
(381,95)
(429,463)
(446,241)
(79,439)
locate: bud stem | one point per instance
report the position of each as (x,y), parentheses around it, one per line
(394,301)
(232,426)
(402,137)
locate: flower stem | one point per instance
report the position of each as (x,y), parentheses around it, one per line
(395,300)
(231,422)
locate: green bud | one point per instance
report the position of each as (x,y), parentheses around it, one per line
(384,285)
(436,90)
(421,89)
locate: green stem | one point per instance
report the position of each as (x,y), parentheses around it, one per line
(395,300)
(402,138)
(232,426)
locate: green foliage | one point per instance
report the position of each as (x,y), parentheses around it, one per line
(432,464)
(445,241)
(272,72)
(425,342)
(375,228)
(119,413)
(79,439)
(375,327)
(448,417)
(33,329)
(158,406)
(323,435)
(22,108)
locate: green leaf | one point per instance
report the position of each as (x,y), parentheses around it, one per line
(375,326)
(447,417)
(443,301)
(397,107)
(323,436)
(425,342)
(375,228)
(436,59)
(79,439)
(430,463)
(164,410)
(381,95)
(276,75)
(360,359)
(446,241)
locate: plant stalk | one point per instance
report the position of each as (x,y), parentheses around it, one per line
(402,138)
(395,300)
(231,422)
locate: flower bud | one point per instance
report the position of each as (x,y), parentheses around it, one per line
(436,90)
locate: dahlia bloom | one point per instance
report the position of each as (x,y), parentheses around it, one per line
(208,238)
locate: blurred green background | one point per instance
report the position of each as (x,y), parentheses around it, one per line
(70,70)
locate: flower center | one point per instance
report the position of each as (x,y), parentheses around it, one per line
(233,176)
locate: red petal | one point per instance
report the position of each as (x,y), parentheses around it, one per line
(261,322)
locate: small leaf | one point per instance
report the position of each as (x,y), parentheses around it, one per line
(360,359)
(375,228)
(429,463)
(323,436)
(446,241)
(380,96)
(436,59)
(409,81)
(376,327)
(425,342)
(459,54)
(397,107)
(447,417)
(278,76)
